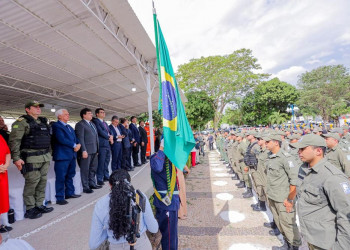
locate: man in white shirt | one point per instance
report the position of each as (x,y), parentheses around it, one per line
(116,147)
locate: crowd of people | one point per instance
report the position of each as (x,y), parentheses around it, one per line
(302,172)
(33,143)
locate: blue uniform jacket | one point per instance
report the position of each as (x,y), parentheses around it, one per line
(158,173)
(135,133)
(102,132)
(64,139)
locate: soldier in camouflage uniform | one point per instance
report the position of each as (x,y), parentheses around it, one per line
(30,150)
(239,160)
(251,161)
(335,155)
(282,176)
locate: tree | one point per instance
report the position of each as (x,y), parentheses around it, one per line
(200,108)
(157,119)
(233,117)
(268,97)
(277,118)
(223,78)
(325,91)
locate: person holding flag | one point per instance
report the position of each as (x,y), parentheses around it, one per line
(175,148)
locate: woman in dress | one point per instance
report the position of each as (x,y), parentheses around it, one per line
(5,158)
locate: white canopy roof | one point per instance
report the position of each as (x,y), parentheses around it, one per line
(74,54)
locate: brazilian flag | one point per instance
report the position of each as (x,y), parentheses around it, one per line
(178,135)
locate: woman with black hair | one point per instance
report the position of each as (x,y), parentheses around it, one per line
(110,222)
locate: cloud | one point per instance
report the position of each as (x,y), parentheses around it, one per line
(281,34)
(290,75)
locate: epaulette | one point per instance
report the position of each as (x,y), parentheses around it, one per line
(19,119)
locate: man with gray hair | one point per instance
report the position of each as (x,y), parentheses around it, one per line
(65,148)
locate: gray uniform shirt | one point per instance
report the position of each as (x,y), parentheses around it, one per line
(339,159)
(324,206)
(282,171)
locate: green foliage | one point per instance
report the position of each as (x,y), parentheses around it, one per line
(233,117)
(277,118)
(200,108)
(268,97)
(325,91)
(157,119)
(223,78)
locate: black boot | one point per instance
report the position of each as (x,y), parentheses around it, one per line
(32,213)
(291,247)
(270,225)
(274,232)
(255,205)
(261,207)
(235,177)
(241,184)
(284,247)
(249,193)
(230,171)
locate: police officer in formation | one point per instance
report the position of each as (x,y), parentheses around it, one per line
(289,167)
(31,153)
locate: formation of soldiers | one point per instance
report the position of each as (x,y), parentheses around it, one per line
(306,170)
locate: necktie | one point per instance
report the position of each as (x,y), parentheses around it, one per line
(92,127)
(105,124)
(68,128)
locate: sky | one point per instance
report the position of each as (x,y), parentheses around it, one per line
(288,37)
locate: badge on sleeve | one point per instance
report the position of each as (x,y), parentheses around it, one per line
(291,164)
(346,187)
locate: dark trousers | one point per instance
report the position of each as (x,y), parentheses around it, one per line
(88,167)
(117,150)
(126,159)
(143,153)
(104,156)
(211,145)
(65,172)
(135,154)
(168,228)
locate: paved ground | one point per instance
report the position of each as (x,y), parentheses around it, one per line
(68,226)
(219,218)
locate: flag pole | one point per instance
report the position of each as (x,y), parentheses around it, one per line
(157,51)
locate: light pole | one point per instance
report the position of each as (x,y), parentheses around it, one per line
(290,109)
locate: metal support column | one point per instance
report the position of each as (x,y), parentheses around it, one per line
(150,117)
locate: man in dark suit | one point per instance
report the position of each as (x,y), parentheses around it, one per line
(144,141)
(65,145)
(126,145)
(117,146)
(104,151)
(87,155)
(136,143)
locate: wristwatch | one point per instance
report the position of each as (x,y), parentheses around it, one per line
(290,201)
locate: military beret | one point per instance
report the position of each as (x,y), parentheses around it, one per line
(310,140)
(332,135)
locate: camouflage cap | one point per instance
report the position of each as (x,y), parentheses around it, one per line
(337,130)
(252,132)
(279,132)
(316,130)
(33,103)
(310,140)
(294,137)
(298,131)
(272,136)
(332,135)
